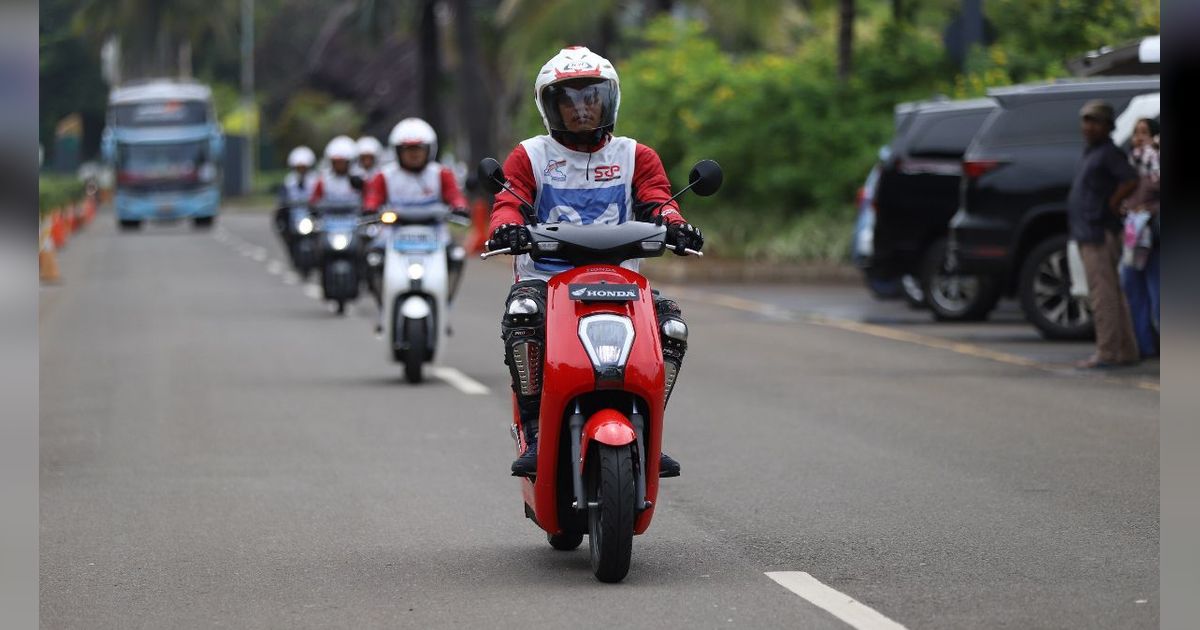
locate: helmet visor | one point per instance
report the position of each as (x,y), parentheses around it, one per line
(580,105)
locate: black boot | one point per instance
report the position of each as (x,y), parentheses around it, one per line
(526,464)
(667,466)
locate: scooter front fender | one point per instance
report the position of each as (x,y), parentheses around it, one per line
(607,426)
(415,307)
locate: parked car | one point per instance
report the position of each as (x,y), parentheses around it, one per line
(1012,223)
(908,201)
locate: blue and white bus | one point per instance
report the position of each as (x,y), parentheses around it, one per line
(165,146)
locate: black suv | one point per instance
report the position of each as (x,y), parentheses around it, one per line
(1012,224)
(915,195)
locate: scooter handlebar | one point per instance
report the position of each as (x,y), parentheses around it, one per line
(496,252)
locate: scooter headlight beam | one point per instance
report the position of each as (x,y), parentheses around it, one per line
(304,226)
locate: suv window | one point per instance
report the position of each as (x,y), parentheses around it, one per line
(1042,122)
(948,136)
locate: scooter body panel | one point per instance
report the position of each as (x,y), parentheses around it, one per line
(568,374)
(408,247)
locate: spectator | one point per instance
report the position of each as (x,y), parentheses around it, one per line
(1140,264)
(1103,179)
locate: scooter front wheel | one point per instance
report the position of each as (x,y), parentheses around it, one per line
(417,337)
(610,522)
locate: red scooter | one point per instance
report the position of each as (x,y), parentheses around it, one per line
(604,386)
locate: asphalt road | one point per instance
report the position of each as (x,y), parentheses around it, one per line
(219,449)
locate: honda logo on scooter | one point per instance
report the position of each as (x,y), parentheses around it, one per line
(603,292)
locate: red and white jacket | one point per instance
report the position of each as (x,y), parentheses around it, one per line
(605,184)
(397,185)
(334,188)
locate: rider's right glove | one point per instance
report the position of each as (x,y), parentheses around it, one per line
(681,236)
(511,235)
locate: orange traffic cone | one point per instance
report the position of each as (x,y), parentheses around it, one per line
(479,224)
(47,262)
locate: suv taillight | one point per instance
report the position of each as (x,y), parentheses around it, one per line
(977,168)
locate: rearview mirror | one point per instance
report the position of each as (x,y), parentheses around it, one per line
(491,176)
(705,178)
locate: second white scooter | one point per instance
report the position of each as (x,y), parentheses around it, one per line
(421,269)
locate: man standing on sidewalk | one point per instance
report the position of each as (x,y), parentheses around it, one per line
(1103,180)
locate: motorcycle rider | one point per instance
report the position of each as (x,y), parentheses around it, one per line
(298,184)
(335,183)
(368,158)
(583,174)
(416,179)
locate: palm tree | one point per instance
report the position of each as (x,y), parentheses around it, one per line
(152,31)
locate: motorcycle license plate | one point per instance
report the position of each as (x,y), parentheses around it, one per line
(414,240)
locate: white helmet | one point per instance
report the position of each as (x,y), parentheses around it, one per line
(341,148)
(301,156)
(413,131)
(369,145)
(585,84)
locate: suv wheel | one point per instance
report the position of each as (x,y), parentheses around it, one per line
(1045,292)
(955,297)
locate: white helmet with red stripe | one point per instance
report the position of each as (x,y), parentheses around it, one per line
(341,148)
(368,145)
(578,94)
(413,131)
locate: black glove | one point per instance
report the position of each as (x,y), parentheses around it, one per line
(511,235)
(357,182)
(681,236)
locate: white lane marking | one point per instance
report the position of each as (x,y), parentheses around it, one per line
(291,278)
(274,267)
(313,291)
(458,380)
(258,254)
(840,605)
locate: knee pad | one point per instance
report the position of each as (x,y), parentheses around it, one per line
(456,257)
(673,333)
(524,332)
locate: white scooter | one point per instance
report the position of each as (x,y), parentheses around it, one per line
(418,282)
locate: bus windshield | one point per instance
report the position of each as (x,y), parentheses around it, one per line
(162,161)
(160,113)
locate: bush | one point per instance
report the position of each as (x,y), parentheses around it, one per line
(56,191)
(313,119)
(794,142)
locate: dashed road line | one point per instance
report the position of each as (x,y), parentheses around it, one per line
(312,291)
(840,605)
(459,381)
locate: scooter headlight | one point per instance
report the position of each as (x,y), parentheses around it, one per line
(416,271)
(304,226)
(607,339)
(339,241)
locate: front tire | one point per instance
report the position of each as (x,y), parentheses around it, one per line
(203,223)
(610,523)
(129,225)
(1045,291)
(955,297)
(416,336)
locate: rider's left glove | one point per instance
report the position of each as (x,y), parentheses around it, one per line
(683,236)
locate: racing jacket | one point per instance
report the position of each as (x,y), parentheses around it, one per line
(617,181)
